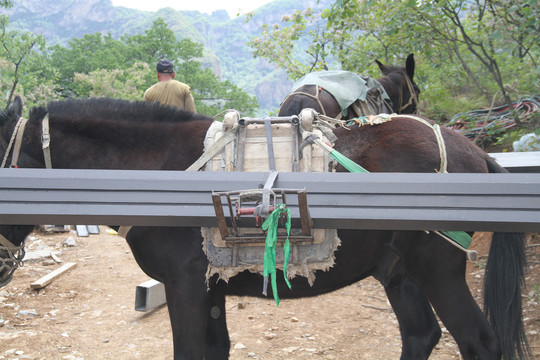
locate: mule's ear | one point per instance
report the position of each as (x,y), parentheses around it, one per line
(16,107)
(384,69)
(409,66)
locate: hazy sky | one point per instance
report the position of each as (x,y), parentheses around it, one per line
(233,7)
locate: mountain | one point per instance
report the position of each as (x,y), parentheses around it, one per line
(224,38)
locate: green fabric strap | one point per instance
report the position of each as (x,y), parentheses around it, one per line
(460,237)
(271,225)
(347,163)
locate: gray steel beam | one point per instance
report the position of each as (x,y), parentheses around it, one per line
(519,161)
(400,201)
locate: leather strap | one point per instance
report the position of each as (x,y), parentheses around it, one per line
(16,139)
(314,97)
(46,142)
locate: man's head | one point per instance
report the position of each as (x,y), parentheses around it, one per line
(165,70)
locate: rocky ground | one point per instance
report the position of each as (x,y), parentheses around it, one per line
(88,313)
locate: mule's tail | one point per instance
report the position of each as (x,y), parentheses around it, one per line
(503,284)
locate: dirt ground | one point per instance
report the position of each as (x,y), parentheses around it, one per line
(88,313)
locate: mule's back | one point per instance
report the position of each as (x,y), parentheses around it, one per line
(116,134)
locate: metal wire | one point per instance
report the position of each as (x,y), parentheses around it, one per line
(481,123)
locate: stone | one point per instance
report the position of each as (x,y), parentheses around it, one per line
(28,313)
(70,242)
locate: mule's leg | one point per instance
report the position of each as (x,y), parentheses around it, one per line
(218,343)
(438,268)
(174,256)
(188,306)
(419,329)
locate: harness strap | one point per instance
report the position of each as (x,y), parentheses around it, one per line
(266,192)
(270,144)
(412,99)
(214,149)
(16,138)
(459,239)
(46,142)
(314,97)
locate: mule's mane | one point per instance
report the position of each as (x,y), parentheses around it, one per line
(106,109)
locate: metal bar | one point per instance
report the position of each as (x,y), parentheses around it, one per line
(294,153)
(149,295)
(400,201)
(273,119)
(519,161)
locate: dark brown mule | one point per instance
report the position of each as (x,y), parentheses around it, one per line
(416,269)
(398,82)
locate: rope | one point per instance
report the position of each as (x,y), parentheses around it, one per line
(372,119)
(382,118)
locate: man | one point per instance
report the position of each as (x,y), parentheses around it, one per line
(169,91)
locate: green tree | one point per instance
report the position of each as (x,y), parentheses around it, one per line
(99,65)
(125,84)
(160,42)
(17,49)
(468,51)
(488,32)
(298,45)
(90,53)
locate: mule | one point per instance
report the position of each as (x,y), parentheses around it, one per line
(417,270)
(398,82)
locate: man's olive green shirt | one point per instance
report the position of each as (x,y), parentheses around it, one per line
(171,92)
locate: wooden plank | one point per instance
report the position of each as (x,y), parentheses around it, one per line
(47,279)
(399,201)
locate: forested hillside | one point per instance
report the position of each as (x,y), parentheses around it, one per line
(224,38)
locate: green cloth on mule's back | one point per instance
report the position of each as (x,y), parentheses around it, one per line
(346,87)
